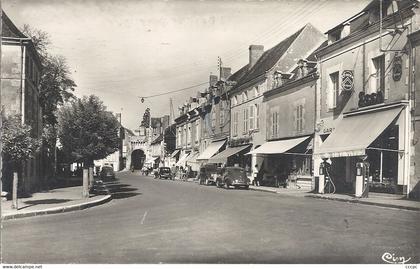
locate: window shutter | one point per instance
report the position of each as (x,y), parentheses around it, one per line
(270,120)
(257,116)
(296,118)
(303,116)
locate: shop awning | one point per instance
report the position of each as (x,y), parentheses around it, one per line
(353,134)
(222,156)
(181,160)
(278,147)
(151,160)
(212,149)
(192,158)
(176,152)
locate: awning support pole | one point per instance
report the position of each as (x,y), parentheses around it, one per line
(380,168)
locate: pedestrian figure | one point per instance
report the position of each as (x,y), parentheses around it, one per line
(258,175)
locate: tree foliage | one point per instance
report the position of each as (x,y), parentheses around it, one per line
(56,84)
(87,132)
(146,118)
(18,145)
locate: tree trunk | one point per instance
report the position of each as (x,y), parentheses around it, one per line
(90,177)
(85,193)
(14,191)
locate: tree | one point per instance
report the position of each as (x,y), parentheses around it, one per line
(56,88)
(17,146)
(87,132)
(146,118)
(56,84)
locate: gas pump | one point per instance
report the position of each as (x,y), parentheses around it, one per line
(321,183)
(362,179)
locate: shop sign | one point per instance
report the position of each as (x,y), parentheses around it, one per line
(397,68)
(347,80)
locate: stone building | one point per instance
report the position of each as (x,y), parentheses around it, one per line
(290,125)
(265,71)
(20,76)
(365,101)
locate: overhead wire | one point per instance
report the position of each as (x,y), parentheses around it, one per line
(237,52)
(283,22)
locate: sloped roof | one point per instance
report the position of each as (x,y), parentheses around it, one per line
(9,28)
(239,74)
(157,139)
(269,58)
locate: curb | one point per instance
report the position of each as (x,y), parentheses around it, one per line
(57,210)
(263,190)
(355,201)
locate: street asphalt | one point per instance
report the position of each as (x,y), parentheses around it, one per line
(161,221)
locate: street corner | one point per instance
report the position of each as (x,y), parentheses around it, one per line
(71,206)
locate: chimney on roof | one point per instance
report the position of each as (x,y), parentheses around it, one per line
(212,80)
(225,72)
(255,52)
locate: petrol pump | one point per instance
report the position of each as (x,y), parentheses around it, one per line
(362,179)
(321,183)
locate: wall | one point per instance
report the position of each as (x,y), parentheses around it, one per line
(20,78)
(357,56)
(285,103)
(11,76)
(257,135)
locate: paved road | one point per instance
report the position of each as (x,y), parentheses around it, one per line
(152,221)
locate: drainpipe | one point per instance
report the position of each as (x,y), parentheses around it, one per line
(22,90)
(380,26)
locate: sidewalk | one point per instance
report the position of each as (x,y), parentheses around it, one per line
(285,191)
(377,199)
(51,202)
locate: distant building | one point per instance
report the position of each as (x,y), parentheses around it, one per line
(118,159)
(20,76)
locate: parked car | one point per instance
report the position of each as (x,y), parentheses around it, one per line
(233,176)
(208,174)
(165,173)
(107,173)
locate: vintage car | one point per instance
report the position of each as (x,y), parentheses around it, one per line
(107,173)
(233,176)
(165,173)
(208,174)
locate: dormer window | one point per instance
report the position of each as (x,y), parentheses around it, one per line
(244,97)
(392,8)
(234,100)
(334,35)
(256,91)
(280,78)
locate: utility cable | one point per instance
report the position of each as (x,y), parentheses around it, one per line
(178,90)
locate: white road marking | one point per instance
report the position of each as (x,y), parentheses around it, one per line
(144,217)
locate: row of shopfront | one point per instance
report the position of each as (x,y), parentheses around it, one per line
(340,118)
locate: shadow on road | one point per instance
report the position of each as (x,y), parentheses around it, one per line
(121,191)
(44,201)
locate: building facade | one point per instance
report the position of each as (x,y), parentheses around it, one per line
(265,71)
(20,76)
(364,103)
(290,124)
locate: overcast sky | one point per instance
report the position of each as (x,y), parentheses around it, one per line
(120,50)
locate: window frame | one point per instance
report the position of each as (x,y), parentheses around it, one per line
(334,89)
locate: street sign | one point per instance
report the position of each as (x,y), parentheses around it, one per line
(397,68)
(347,80)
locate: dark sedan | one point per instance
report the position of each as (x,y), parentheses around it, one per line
(107,173)
(233,176)
(165,173)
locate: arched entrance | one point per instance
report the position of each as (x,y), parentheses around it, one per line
(137,159)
